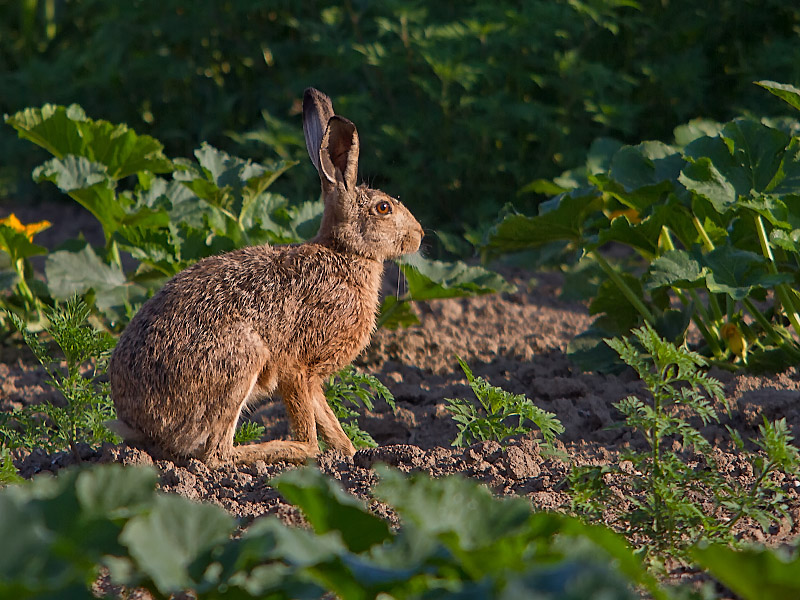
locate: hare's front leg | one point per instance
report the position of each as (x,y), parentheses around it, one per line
(296,390)
(329,427)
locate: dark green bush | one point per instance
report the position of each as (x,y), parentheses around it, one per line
(459,104)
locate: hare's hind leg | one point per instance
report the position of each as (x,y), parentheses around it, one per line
(296,390)
(329,427)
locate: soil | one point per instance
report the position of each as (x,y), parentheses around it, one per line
(514,340)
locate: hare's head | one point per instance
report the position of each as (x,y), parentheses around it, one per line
(356,219)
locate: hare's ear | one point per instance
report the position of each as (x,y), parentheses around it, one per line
(317,111)
(338,156)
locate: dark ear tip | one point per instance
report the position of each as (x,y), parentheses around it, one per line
(311,95)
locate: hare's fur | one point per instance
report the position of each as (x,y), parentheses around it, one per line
(234,327)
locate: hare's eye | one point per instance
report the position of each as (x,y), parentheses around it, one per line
(383,207)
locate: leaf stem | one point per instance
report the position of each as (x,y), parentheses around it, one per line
(781,289)
(629,294)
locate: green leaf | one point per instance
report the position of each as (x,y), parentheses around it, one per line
(758,149)
(642,236)
(753,573)
(561,219)
(647,169)
(787,93)
(676,268)
(165,541)
(71,273)
(54,128)
(696,128)
(446,508)
(748,158)
(600,154)
(88,183)
(433,279)
(23,561)
(737,272)
(703,178)
(329,508)
(64,131)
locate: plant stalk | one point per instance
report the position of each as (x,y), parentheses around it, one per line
(782,290)
(629,294)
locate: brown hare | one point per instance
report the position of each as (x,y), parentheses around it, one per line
(234,327)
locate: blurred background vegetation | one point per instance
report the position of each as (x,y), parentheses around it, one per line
(459,104)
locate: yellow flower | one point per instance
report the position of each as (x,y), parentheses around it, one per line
(29,230)
(733,337)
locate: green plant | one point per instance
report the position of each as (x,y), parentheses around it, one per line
(500,416)
(248,432)
(349,390)
(710,222)
(66,528)
(76,373)
(660,508)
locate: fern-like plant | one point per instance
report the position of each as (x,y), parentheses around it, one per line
(664,489)
(75,370)
(500,415)
(348,390)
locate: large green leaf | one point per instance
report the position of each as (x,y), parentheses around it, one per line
(737,272)
(446,508)
(53,127)
(561,219)
(753,574)
(644,172)
(22,561)
(702,177)
(66,130)
(328,508)
(166,540)
(433,279)
(114,491)
(77,272)
(88,183)
(787,180)
(758,149)
(748,158)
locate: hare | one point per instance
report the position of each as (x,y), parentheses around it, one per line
(233,327)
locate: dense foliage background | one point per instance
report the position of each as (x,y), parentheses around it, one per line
(459,104)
